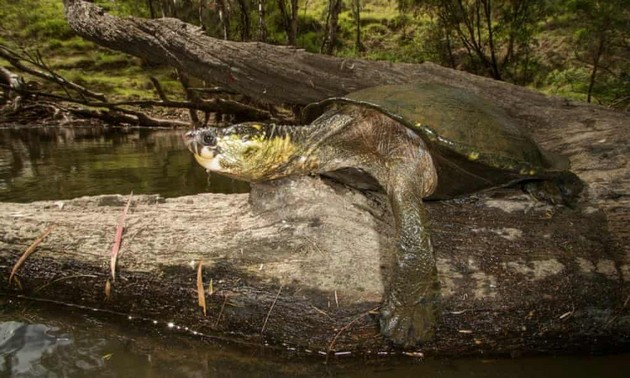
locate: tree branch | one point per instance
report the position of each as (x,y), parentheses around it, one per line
(214,105)
(16,60)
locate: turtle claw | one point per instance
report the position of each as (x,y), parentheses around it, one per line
(408,325)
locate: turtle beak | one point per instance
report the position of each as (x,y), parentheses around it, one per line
(203,144)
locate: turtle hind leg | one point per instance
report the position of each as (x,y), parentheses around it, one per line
(411,308)
(561,189)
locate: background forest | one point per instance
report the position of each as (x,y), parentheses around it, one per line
(578,49)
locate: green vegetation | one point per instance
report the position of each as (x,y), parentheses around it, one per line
(39,27)
(574,48)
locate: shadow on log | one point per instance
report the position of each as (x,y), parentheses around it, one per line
(302,261)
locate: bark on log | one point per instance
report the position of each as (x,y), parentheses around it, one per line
(516,276)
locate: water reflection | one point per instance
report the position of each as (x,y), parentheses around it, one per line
(61,163)
(36,350)
(23,345)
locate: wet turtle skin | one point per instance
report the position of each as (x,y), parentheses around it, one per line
(416,141)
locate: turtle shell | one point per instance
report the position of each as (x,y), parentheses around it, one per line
(471,139)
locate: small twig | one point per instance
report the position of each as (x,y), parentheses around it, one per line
(214,105)
(225,298)
(615,317)
(158,88)
(39,62)
(118,238)
(315,246)
(192,96)
(334,339)
(29,251)
(321,312)
(210,287)
(15,60)
(125,117)
(108,289)
(262,330)
(215,90)
(201,294)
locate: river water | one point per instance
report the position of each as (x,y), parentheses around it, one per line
(54,341)
(61,163)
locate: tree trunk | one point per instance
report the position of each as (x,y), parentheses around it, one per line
(168,8)
(224,18)
(268,73)
(598,54)
(514,277)
(332,26)
(151,10)
(294,23)
(494,65)
(356,13)
(287,23)
(304,261)
(262,26)
(245,23)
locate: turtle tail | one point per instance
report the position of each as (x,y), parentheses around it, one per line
(563,188)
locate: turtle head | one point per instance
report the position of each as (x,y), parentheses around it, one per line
(247,151)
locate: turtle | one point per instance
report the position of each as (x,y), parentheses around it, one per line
(416,142)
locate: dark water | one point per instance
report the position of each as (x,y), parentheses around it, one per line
(45,341)
(62,163)
(40,341)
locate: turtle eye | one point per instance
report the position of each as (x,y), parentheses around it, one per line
(209,140)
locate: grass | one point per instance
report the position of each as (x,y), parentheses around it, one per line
(41,27)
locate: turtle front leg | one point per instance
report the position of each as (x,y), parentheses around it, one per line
(411,307)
